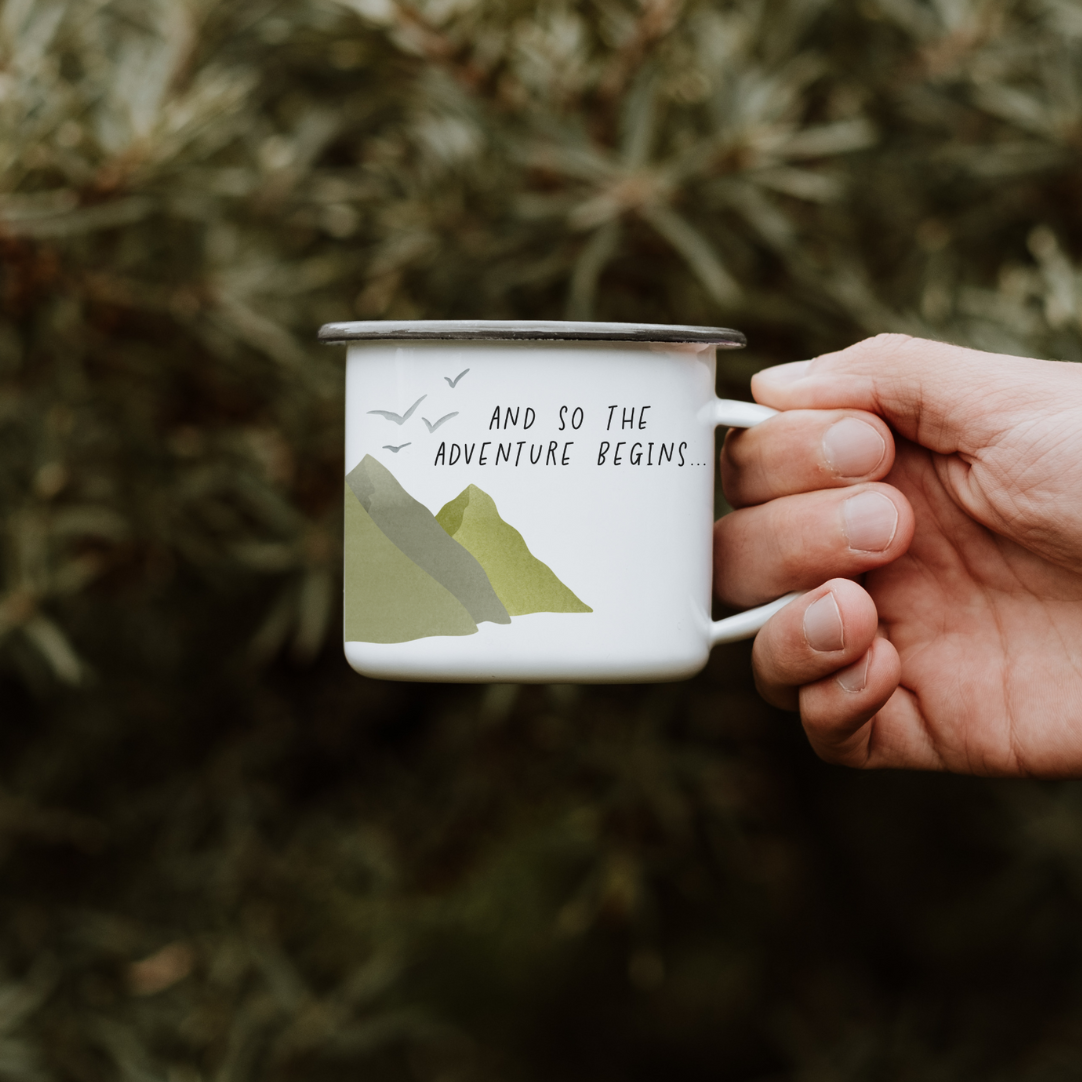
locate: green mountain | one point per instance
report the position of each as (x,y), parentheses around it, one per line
(388,598)
(521,581)
(411,527)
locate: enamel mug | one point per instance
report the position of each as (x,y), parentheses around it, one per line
(533,501)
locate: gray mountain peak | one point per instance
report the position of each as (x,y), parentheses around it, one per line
(415,531)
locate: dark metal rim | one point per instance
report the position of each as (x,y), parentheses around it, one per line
(526,331)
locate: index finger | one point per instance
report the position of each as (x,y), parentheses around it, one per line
(946,398)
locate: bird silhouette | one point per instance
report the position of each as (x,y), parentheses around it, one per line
(432,427)
(388,447)
(454,382)
(400,418)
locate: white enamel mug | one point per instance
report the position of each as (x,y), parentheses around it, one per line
(533,501)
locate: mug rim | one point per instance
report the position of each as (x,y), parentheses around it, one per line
(525,330)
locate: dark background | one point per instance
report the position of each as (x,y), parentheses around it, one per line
(225,856)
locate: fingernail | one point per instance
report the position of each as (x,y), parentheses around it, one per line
(870,521)
(855,677)
(853,448)
(823,625)
(781,374)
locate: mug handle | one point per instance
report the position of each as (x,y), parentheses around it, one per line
(733,414)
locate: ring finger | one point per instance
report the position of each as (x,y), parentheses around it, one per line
(797,542)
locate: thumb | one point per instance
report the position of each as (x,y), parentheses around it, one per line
(946,398)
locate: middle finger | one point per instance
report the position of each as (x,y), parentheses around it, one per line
(804,450)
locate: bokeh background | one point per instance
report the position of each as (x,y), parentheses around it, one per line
(226,857)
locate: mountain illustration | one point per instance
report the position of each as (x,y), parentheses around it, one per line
(411,528)
(522,582)
(388,598)
(410,574)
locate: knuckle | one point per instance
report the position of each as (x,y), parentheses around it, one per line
(890,340)
(849,752)
(877,350)
(732,484)
(798,552)
(732,470)
(774,692)
(791,566)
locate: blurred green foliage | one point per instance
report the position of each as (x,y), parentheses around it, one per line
(225,856)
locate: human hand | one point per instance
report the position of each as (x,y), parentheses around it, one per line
(962,648)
